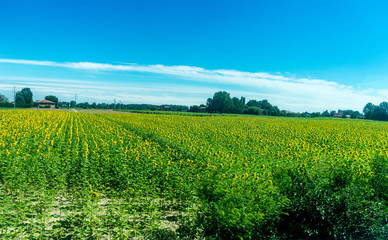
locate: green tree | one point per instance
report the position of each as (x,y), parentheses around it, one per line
(274,111)
(19,100)
(264,104)
(52,99)
(64,104)
(238,105)
(325,114)
(27,95)
(24,98)
(375,112)
(252,110)
(369,110)
(221,102)
(383,111)
(194,108)
(315,114)
(283,113)
(253,103)
(3,99)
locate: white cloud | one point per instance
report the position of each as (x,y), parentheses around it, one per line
(292,93)
(66,89)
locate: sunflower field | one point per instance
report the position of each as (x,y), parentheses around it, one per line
(66,175)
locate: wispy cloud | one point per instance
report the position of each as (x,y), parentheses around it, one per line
(291,93)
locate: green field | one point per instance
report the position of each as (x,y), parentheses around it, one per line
(117,176)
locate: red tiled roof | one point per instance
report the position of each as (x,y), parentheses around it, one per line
(44,101)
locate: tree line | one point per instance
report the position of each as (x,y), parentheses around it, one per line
(23,99)
(221,102)
(122,106)
(376,112)
(4,101)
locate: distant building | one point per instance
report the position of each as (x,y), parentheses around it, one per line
(203,109)
(164,108)
(44,104)
(339,115)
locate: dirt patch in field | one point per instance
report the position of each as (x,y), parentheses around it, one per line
(51,109)
(100,111)
(78,110)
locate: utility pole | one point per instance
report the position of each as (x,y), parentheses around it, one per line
(114,106)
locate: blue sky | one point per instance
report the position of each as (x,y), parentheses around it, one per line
(300,55)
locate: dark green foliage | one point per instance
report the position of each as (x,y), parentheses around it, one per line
(161,234)
(24,98)
(4,102)
(238,105)
(27,95)
(223,103)
(253,111)
(322,201)
(315,114)
(220,103)
(52,99)
(379,180)
(349,113)
(325,114)
(3,99)
(254,103)
(6,105)
(375,112)
(331,202)
(19,100)
(194,108)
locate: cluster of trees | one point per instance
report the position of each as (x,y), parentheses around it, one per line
(121,106)
(4,101)
(52,99)
(223,103)
(340,113)
(376,112)
(23,98)
(3,98)
(196,108)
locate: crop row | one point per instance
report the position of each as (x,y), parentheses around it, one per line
(238,177)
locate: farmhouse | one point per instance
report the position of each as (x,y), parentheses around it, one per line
(164,108)
(44,104)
